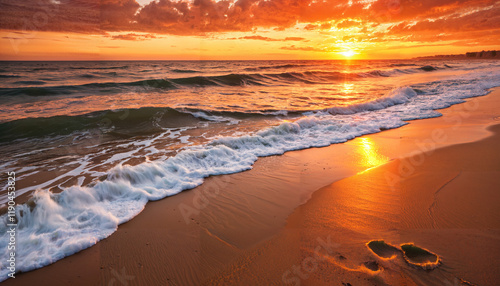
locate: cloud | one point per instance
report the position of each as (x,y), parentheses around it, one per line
(347,24)
(133,37)
(306,48)
(12,38)
(261,38)
(44,15)
(476,21)
(116,14)
(295,39)
(319,26)
(396,10)
(478,27)
(414,20)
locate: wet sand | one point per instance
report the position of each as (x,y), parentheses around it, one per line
(258,226)
(445,203)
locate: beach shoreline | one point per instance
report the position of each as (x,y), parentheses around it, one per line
(443,201)
(205,234)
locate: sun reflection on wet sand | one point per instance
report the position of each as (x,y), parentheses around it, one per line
(369,153)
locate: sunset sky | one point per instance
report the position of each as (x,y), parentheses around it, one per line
(244,29)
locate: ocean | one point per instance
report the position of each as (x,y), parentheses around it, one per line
(92,142)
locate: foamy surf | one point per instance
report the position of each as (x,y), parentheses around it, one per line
(57,225)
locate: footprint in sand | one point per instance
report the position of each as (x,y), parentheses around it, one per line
(415,256)
(383,249)
(372,265)
(420,257)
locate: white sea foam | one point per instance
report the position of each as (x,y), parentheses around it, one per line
(215,118)
(64,223)
(396,96)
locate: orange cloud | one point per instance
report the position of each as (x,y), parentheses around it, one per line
(133,37)
(46,15)
(347,24)
(308,48)
(414,20)
(475,21)
(262,38)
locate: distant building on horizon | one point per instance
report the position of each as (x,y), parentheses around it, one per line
(482,54)
(494,54)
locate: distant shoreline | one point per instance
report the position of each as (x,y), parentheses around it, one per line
(467,56)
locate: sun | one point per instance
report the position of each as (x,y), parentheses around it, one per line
(348,53)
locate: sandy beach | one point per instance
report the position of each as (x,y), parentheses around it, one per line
(159,142)
(441,200)
(306,217)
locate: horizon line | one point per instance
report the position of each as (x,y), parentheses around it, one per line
(214,60)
